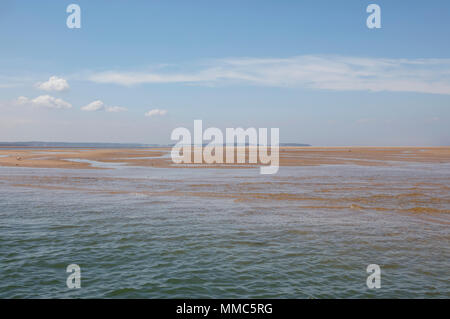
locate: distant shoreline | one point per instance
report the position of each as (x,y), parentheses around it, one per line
(76,145)
(159,157)
(31,145)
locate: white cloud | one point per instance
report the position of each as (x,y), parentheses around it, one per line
(314,72)
(22,100)
(94,106)
(115,109)
(53,84)
(155,112)
(100,106)
(46,101)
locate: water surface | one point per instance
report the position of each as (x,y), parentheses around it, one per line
(307,232)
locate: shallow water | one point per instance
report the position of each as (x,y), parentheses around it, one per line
(307,232)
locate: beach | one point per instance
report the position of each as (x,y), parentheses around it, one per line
(424,196)
(160,157)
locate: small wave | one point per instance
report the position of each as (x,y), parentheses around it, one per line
(120,292)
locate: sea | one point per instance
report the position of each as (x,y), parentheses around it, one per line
(305,232)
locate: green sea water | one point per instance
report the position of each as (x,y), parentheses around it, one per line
(162,233)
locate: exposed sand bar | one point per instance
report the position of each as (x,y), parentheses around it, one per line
(160,157)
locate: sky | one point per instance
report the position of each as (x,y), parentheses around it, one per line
(136,70)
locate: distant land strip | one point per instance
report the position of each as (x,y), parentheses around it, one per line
(38,144)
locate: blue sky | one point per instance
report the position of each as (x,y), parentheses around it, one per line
(311,68)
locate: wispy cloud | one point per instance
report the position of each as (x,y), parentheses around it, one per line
(314,72)
(155,112)
(8,81)
(115,109)
(54,83)
(100,106)
(7,85)
(45,101)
